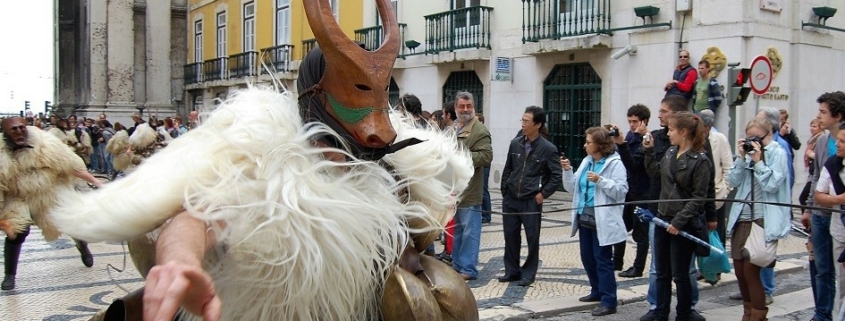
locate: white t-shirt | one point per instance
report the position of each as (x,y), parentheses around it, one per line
(837,229)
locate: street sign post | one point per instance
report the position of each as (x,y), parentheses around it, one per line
(761,78)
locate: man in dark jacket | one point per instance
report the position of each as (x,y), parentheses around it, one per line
(532,173)
(683,79)
(638,187)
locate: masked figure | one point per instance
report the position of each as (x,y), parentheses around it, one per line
(279,212)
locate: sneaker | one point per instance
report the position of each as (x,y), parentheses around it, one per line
(735,296)
(769,299)
(650,316)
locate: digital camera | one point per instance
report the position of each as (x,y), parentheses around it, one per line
(748,147)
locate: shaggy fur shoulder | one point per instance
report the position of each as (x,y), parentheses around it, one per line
(119,143)
(143,136)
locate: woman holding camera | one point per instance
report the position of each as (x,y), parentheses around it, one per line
(760,173)
(685,173)
(600,179)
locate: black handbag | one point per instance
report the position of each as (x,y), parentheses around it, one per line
(587,218)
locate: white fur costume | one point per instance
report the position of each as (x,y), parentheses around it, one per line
(35,177)
(304,238)
(118,146)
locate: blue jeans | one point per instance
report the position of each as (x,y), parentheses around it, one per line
(486,204)
(767,276)
(96,158)
(467,240)
(598,263)
(652,276)
(825,273)
(108,159)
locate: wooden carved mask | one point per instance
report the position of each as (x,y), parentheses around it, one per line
(356,81)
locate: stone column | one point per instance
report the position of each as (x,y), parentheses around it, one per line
(121,49)
(97,46)
(159,92)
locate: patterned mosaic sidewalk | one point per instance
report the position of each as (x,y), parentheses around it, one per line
(53,285)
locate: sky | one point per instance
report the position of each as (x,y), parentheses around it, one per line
(26,59)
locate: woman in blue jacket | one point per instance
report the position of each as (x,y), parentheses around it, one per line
(765,171)
(601,179)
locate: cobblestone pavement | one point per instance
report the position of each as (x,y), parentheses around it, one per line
(53,285)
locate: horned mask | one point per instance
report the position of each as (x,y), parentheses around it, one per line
(353,82)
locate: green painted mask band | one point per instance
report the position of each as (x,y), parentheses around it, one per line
(349,115)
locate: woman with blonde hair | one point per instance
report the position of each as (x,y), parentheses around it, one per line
(760,172)
(685,173)
(600,179)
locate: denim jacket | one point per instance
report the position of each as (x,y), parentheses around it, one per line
(772,178)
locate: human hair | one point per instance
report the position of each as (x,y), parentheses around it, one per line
(62,124)
(438,118)
(601,138)
(411,104)
(785,114)
(816,122)
(480,117)
(704,62)
(118,126)
(537,114)
(449,109)
(675,103)
(696,132)
(772,116)
(107,123)
(465,95)
(835,102)
(763,124)
(707,117)
(639,110)
(168,122)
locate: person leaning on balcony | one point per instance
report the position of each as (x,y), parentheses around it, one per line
(600,179)
(683,80)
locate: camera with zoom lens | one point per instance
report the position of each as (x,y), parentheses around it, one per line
(748,147)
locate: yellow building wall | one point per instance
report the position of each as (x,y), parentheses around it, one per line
(351,17)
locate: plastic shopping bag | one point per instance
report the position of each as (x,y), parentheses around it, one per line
(711,266)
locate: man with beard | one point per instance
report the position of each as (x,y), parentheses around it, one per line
(38,166)
(475,137)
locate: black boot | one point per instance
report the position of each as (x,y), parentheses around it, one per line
(11,254)
(84,253)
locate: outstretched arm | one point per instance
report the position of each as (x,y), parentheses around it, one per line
(85,175)
(179,279)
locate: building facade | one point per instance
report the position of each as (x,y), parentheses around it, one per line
(120,57)
(570,57)
(235,43)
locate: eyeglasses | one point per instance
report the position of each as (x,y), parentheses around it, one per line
(683,57)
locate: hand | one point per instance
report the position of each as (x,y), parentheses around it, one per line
(785,128)
(672,230)
(176,284)
(564,163)
(648,143)
(739,149)
(758,155)
(805,220)
(8,229)
(642,129)
(712,225)
(669,84)
(593,177)
(539,198)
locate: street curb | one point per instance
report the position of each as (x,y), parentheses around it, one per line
(559,305)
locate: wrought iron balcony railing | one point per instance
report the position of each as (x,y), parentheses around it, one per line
(243,64)
(458,29)
(372,38)
(556,19)
(193,73)
(215,69)
(277,58)
(307,45)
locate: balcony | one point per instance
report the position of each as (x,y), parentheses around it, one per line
(556,19)
(458,29)
(307,45)
(214,69)
(372,38)
(243,64)
(278,58)
(193,73)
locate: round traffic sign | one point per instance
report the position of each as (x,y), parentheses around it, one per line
(761,75)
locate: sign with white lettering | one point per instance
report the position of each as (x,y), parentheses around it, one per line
(771,5)
(503,69)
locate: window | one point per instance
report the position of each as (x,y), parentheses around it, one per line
(249,27)
(198,41)
(282,22)
(221,34)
